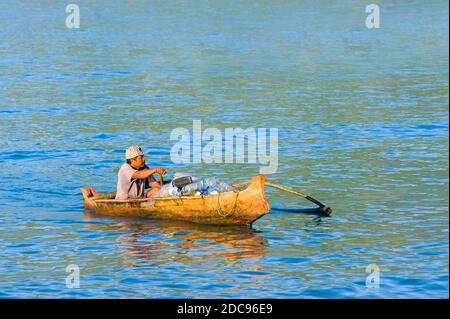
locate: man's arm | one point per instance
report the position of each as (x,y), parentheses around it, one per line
(146,173)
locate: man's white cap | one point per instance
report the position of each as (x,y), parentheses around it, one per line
(133,151)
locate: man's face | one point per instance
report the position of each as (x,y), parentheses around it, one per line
(138,161)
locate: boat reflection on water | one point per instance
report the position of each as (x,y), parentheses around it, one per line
(156,242)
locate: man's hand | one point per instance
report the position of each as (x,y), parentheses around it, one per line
(160,171)
(155,185)
(155,188)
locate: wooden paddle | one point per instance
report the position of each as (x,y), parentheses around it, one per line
(326,209)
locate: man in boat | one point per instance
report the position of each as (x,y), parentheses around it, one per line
(134,176)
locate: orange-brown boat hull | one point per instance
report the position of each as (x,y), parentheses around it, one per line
(230,208)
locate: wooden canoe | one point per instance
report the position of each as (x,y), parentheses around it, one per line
(230,208)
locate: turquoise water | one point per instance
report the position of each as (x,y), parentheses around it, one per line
(362,116)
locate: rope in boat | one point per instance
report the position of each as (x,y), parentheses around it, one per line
(220,211)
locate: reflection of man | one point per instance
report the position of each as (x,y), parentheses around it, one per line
(134,176)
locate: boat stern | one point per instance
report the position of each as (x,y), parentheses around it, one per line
(252,202)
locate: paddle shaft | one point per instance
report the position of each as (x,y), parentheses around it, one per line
(315,201)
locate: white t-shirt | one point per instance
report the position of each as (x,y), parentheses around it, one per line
(127,187)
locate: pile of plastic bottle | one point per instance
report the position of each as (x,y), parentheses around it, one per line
(203,187)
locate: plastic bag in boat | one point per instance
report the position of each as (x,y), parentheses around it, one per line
(206,186)
(168,189)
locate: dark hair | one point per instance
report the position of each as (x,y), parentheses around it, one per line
(129,160)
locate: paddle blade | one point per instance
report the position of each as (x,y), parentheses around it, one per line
(327,210)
